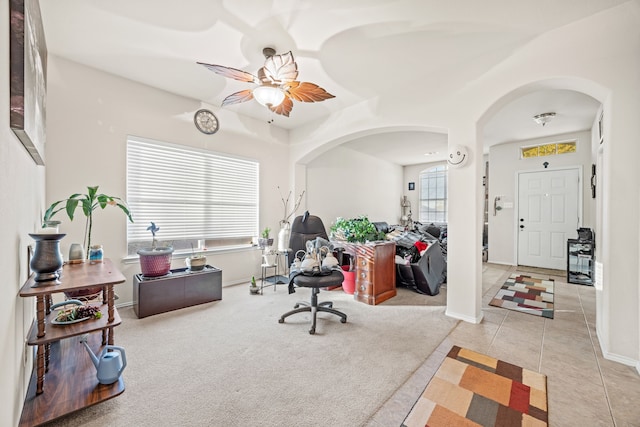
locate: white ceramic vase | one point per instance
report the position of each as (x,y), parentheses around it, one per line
(283,237)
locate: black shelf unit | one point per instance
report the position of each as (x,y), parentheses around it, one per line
(580,261)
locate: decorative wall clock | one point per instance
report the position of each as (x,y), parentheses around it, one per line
(206,121)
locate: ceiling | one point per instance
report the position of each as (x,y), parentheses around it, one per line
(358,50)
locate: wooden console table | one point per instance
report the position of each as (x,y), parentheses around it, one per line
(71,376)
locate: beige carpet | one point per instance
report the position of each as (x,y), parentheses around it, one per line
(230,363)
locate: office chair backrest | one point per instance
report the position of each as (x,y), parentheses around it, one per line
(304,228)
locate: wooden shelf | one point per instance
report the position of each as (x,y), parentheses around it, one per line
(71,383)
(75,276)
(64,379)
(58,332)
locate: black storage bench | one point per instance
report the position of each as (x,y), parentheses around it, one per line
(178,289)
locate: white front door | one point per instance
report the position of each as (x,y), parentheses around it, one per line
(548,215)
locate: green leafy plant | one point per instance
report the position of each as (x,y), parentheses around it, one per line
(355,230)
(89,202)
(265,233)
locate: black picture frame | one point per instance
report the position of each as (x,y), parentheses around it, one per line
(412,186)
(28,74)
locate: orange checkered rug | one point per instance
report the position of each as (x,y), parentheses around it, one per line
(472,389)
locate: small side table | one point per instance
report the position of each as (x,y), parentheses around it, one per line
(277,277)
(265,268)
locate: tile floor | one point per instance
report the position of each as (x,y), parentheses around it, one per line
(584,389)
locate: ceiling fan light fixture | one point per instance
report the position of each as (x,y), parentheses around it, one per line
(544,118)
(269,96)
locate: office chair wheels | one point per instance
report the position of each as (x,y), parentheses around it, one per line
(281,320)
(343,320)
(312,331)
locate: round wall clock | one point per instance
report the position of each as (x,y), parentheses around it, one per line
(206,121)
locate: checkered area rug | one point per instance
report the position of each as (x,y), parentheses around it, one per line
(472,389)
(526,294)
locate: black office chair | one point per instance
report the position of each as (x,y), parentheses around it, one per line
(335,278)
(304,228)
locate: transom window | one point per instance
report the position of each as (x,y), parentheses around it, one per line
(433,194)
(548,149)
(198,198)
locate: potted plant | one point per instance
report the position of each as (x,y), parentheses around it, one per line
(196,262)
(355,230)
(265,241)
(156,260)
(89,202)
(269,257)
(253,286)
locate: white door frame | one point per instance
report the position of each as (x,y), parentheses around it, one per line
(516,211)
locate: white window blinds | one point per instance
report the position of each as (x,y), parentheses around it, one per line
(189,193)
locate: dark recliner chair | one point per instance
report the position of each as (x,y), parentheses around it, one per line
(304,228)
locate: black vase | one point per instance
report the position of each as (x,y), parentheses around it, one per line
(47,258)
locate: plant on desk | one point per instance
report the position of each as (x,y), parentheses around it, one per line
(355,230)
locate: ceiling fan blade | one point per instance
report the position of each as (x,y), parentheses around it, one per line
(279,69)
(232,73)
(284,108)
(307,92)
(238,97)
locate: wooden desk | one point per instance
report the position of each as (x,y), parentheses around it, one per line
(375,270)
(65,362)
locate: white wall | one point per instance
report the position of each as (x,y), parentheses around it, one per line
(22,189)
(504,165)
(345,183)
(90,115)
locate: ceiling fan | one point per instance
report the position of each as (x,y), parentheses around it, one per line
(276,82)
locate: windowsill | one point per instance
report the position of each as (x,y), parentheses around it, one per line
(131,259)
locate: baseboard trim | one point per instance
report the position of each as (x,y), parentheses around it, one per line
(622,359)
(500,263)
(618,358)
(475,320)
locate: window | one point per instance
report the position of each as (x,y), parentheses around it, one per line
(196,197)
(433,194)
(548,149)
